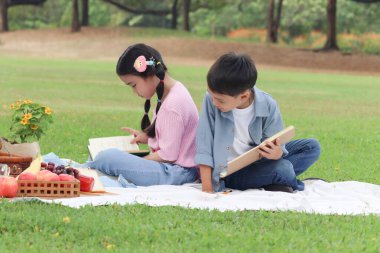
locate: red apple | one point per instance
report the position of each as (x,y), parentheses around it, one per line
(1,188)
(66,177)
(27,176)
(41,174)
(51,177)
(8,187)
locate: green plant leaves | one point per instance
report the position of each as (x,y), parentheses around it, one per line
(29,121)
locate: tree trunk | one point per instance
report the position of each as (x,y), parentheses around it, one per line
(186,13)
(85,13)
(273,20)
(331,43)
(75,25)
(270,21)
(174,15)
(277,21)
(4,16)
(5,4)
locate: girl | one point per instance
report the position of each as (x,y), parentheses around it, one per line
(171,135)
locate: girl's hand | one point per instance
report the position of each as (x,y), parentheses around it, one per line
(271,150)
(140,137)
(130,130)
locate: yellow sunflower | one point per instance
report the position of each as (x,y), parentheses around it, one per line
(28,116)
(27,101)
(33,127)
(24,122)
(48,110)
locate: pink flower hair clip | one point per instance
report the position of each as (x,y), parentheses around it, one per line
(141,63)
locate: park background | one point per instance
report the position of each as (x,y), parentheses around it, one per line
(319,59)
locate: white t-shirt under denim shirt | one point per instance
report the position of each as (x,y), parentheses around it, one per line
(242,139)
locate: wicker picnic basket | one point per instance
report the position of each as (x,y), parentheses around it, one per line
(53,189)
(17,164)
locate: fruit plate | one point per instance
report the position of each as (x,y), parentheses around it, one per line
(52,189)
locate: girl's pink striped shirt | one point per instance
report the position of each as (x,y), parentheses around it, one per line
(176,126)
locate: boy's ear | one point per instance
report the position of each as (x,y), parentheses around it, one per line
(246,94)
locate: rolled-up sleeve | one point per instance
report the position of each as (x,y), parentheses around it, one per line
(205,134)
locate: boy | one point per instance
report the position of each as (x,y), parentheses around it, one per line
(236,117)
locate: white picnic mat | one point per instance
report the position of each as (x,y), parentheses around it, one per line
(349,197)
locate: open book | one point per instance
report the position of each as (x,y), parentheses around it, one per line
(252,155)
(120,142)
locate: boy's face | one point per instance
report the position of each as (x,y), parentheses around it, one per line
(226,103)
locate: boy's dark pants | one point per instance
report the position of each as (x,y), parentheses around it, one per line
(302,154)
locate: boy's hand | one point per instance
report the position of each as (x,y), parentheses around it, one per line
(207,188)
(206,178)
(271,150)
(140,137)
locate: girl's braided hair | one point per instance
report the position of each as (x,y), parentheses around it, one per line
(125,66)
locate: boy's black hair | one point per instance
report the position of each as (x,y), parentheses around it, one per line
(125,67)
(232,74)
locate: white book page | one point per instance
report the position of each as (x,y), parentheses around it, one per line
(119,142)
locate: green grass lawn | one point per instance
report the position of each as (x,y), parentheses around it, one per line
(342,111)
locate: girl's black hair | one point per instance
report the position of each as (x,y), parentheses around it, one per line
(125,67)
(232,74)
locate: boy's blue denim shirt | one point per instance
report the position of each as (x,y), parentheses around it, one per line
(215,133)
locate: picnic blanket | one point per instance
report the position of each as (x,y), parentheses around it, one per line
(344,198)
(319,197)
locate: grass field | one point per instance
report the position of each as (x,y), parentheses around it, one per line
(342,111)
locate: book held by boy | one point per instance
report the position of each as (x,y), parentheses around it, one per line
(123,143)
(253,155)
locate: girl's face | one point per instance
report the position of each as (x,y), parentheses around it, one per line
(143,87)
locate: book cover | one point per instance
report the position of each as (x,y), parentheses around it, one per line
(252,155)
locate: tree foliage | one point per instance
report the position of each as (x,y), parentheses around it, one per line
(212,17)
(367,1)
